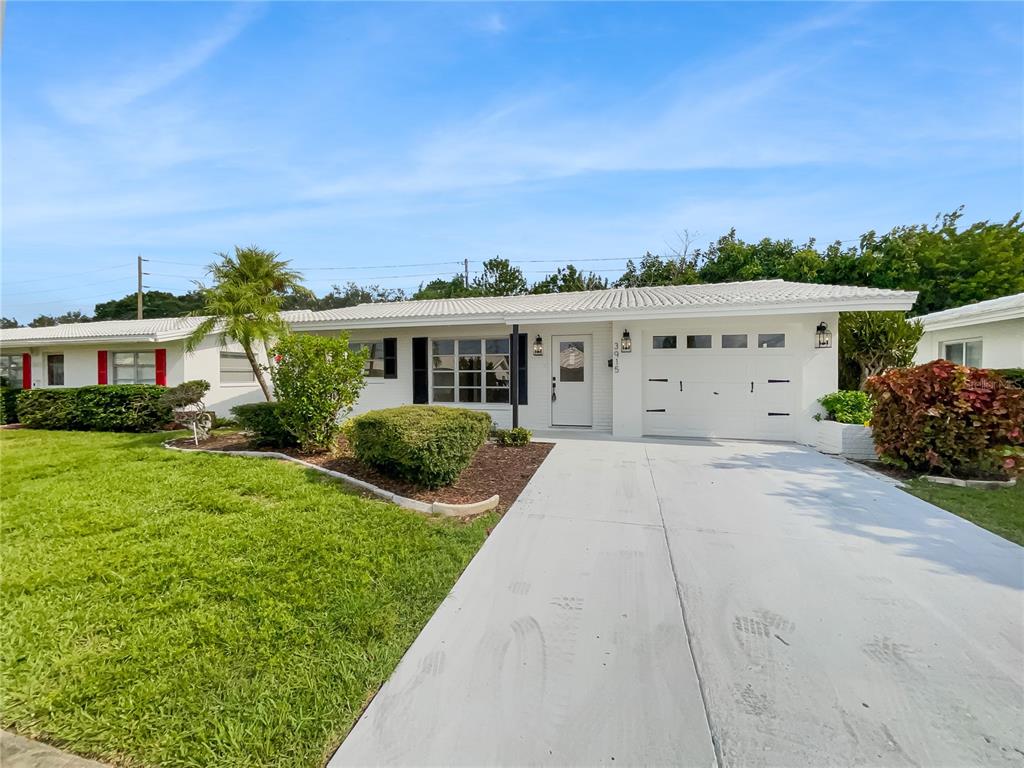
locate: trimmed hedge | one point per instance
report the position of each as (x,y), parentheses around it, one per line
(427,445)
(948,418)
(262,422)
(8,405)
(98,408)
(1013,375)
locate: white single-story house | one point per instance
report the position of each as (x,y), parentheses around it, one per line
(989,334)
(738,360)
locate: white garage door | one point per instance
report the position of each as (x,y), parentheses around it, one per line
(737,385)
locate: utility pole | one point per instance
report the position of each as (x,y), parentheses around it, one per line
(465,272)
(138,290)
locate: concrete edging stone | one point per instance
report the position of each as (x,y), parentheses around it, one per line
(437,507)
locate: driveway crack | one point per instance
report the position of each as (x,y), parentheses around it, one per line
(682,612)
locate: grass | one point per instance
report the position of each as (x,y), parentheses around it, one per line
(1000,511)
(176,609)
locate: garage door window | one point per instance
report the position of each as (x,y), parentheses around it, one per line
(734,341)
(664,342)
(771,340)
(701,341)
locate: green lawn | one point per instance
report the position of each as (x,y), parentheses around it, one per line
(1000,511)
(196,610)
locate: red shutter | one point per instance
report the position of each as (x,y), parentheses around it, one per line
(26,371)
(161,367)
(101,366)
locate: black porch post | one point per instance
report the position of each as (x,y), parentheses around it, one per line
(514,374)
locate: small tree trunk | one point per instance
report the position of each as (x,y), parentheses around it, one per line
(256,369)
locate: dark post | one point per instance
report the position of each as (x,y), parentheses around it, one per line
(514,374)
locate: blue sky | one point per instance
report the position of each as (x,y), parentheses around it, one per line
(358,137)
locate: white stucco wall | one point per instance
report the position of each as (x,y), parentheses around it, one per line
(204,363)
(1002,343)
(81,361)
(536,413)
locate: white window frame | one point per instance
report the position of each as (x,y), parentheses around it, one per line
(17,381)
(963,345)
(233,355)
(484,388)
(136,379)
(370,373)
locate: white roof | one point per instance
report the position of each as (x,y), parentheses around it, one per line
(157,329)
(708,300)
(993,310)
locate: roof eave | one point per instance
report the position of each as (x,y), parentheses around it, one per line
(1013,313)
(901,302)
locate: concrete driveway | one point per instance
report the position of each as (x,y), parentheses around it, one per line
(734,604)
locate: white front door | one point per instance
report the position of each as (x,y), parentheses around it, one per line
(571,388)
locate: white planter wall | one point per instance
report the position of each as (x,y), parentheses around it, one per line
(853,441)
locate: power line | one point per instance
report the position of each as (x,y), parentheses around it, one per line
(79,285)
(62,274)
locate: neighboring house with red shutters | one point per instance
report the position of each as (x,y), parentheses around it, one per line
(126,352)
(732,360)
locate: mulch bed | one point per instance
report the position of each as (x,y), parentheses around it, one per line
(495,469)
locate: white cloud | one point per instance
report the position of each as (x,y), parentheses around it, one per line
(493,24)
(93,102)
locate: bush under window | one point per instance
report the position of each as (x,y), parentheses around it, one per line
(513,437)
(427,445)
(947,418)
(98,408)
(317,380)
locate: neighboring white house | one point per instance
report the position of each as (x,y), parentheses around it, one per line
(741,360)
(989,334)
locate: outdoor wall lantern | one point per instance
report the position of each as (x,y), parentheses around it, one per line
(627,343)
(824,337)
(538,346)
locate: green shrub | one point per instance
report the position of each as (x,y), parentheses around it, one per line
(427,445)
(98,408)
(47,408)
(317,380)
(262,422)
(8,405)
(513,437)
(848,406)
(1013,375)
(185,394)
(945,417)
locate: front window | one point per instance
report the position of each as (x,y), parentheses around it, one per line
(11,371)
(470,370)
(134,368)
(374,368)
(235,368)
(55,370)
(963,352)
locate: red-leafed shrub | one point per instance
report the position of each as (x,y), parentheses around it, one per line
(947,418)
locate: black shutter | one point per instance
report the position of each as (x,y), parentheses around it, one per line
(523,356)
(420,371)
(390,358)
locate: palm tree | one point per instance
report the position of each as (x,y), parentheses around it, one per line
(244,302)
